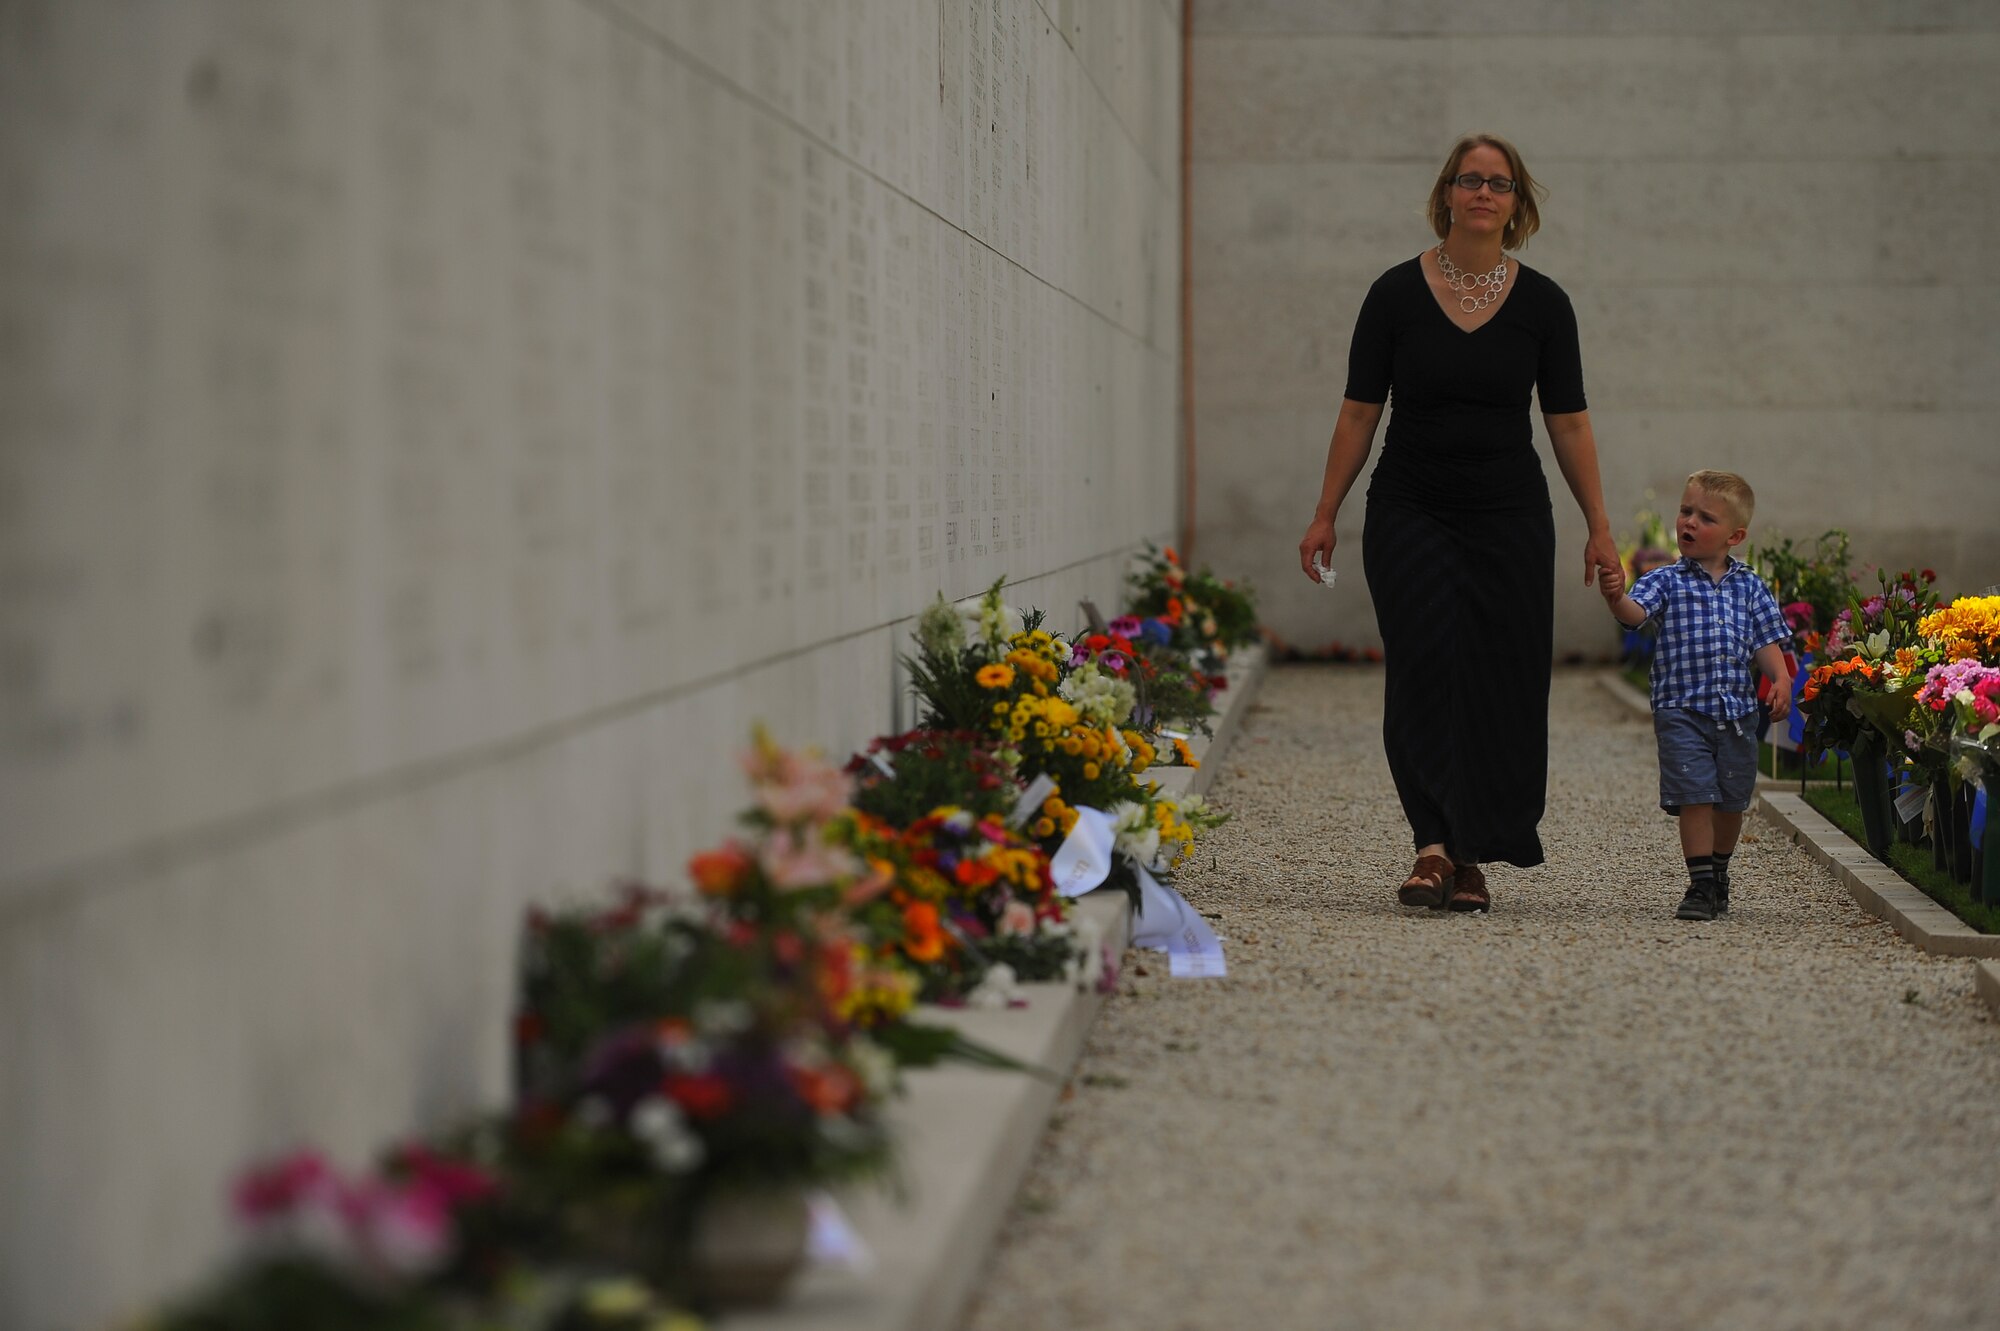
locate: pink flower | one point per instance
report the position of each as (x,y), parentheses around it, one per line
(274,1190)
(791,786)
(454,1180)
(1017,919)
(405,1229)
(1125,626)
(1799,614)
(792,861)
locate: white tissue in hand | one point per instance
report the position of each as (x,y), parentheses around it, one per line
(1320,570)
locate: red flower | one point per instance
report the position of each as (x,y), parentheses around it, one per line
(702,1095)
(721,871)
(1928,575)
(528,1028)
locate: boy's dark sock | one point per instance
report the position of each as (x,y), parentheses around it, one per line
(1699,903)
(1721,858)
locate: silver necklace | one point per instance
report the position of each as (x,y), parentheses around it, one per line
(1475,290)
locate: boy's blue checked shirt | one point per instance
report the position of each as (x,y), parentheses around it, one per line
(1709,631)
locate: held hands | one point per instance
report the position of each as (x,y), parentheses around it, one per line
(1600,552)
(1611,583)
(1318,540)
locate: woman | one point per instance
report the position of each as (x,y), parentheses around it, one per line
(1459,543)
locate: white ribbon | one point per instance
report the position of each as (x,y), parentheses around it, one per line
(831,1239)
(1084,858)
(1166,923)
(1031,799)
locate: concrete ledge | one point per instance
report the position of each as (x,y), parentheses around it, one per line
(1615,684)
(1986,982)
(1245,673)
(967,1134)
(1879,889)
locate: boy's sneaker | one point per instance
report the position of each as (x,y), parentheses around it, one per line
(1721,897)
(1698,904)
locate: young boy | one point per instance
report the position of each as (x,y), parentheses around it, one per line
(1716,616)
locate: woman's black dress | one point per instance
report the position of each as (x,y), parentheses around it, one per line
(1459,553)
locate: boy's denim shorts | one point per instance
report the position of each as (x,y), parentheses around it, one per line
(1705,761)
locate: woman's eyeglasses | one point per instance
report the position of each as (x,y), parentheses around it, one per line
(1472,180)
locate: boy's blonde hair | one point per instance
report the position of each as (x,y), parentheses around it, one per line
(1730,491)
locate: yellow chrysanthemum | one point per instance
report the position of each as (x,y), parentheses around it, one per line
(1969,626)
(995,676)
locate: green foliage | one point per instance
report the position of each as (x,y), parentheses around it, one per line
(1815,574)
(933,768)
(1913,862)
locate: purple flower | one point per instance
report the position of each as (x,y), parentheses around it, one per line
(1125,626)
(1113,661)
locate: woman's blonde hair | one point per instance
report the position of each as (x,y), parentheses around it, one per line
(1527,218)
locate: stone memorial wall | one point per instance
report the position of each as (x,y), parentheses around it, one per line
(1767,215)
(432,434)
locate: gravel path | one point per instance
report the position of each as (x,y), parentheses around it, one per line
(1577,1112)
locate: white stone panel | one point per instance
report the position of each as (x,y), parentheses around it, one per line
(1632,18)
(441,432)
(1267,344)
(1261,99)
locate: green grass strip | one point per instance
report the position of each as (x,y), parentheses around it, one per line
(1913,862)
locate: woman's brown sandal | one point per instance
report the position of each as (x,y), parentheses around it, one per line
(1469,892)
(1429,884)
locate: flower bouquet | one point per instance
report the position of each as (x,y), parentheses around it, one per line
(1166,688)
(1206,614)
(735,1068)
(1055,713)
(1652,548)
(1811,583)
(407,1247)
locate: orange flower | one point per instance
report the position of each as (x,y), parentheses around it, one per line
(836,972)
(995,676)
(829,1089)
(720,871)
(975,874)
(924,938)
(1172,558)
(1173,615)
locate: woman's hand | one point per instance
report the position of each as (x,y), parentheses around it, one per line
(1319,539)
(1600,552)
